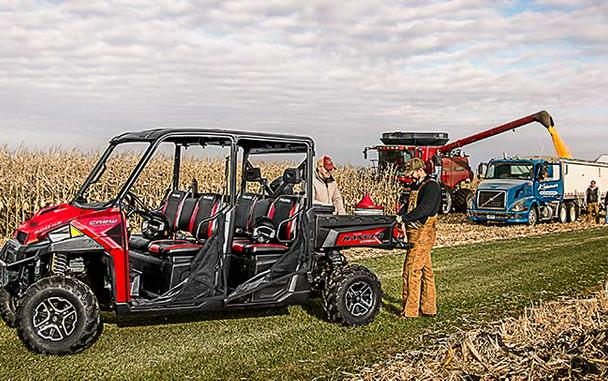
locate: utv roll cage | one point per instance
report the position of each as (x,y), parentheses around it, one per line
(251,144)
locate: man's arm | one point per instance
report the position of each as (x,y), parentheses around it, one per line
(426,207)
(338,201)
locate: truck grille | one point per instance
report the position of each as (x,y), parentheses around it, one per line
(491,199)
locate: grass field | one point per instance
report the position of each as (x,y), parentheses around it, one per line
(475,282)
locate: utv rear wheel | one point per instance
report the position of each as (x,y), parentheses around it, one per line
(8,309)
(352,296)
(58,316)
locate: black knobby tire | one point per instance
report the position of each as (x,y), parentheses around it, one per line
(8,309)
(352,296)
(462,199)
(58,316)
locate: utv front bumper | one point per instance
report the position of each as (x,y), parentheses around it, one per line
(10,258)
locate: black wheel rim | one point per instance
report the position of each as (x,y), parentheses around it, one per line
(359,298)
(55,319)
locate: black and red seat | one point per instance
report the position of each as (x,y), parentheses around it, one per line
(281,212)
(197,217)
(170,209)
(242,214)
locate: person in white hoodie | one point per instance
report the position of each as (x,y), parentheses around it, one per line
(325,188)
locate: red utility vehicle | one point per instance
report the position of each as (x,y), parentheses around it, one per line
(248,243)
(449,164)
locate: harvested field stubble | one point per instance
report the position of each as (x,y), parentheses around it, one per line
(554,341)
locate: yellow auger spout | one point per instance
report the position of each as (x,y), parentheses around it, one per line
(546,120)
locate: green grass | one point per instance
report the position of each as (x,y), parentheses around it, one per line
(475,282)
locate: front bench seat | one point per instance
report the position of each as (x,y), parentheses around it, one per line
(171,209)
(190,219)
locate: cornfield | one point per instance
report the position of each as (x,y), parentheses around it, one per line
(30,180)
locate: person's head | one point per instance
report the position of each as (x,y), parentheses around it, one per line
(592,183)
(325,167)
(415,168)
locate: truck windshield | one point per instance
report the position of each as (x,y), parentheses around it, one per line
(110,175)
(520,171)
(395,158)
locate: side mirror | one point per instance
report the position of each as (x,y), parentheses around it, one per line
(481,170)
(292,176)
(365,153)
(253,174)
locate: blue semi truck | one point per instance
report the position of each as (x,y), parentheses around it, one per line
(534,189)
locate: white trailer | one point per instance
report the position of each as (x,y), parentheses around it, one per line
(577,176)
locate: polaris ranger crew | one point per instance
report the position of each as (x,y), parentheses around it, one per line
(246,242)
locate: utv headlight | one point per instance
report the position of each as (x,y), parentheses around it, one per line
(64,232)
(519,206)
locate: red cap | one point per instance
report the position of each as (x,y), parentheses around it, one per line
(328,164)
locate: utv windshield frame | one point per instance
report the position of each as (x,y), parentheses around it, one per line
(250,143)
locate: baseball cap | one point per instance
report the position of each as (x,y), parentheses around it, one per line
(412,166)
(328,164)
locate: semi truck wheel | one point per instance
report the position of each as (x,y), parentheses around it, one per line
(563,214)
(463,199)
(7,309)
(352,296)
(533,216)
(572,213)
(58,316)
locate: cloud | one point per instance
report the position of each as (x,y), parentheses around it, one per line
(89,70)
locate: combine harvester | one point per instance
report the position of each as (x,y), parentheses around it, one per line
(447,161)
(534,189)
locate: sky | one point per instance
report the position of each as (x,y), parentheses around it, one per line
(74,74)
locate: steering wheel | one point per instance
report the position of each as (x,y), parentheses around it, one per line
(264,230)
(155,224)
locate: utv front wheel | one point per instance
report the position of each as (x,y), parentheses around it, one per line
(352,296)
(7,309)
(58,316)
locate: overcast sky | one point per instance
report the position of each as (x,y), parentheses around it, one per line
(77,73)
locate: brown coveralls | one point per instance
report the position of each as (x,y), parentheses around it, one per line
(418,276)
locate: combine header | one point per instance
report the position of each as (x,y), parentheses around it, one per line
(447,161)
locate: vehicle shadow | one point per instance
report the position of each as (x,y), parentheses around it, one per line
(315,308)
(391,304)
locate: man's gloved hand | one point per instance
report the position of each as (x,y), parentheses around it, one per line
(399,219)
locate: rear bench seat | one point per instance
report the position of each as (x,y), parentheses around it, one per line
(277,210)
(185,214)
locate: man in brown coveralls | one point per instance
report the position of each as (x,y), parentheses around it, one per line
(420,220)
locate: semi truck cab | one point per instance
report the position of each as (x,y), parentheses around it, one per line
(535,189)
